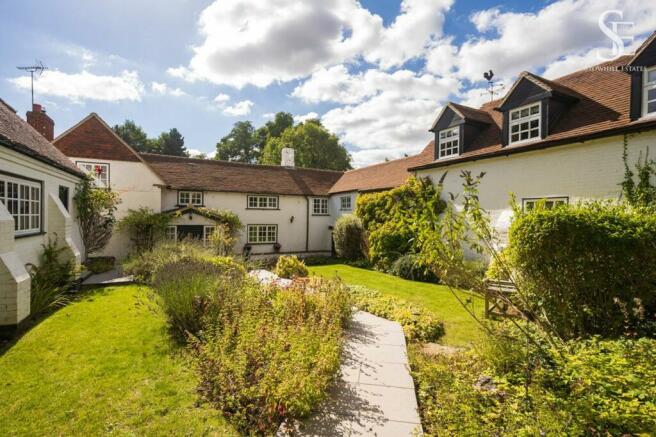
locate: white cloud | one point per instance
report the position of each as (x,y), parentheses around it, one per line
(512,42)
(82,86)
(268,115)
(222,98)
(305,117)
(239,108)
(163,89)
(335,84)
(261,42)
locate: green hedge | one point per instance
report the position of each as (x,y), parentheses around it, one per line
(349,237)
(392,219)
(591,267)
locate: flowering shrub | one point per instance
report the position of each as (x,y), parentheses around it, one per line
(273,355)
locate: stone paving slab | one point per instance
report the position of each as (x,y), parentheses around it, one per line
(111,277)
(374,395)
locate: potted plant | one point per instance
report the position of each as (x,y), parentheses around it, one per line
(276,247)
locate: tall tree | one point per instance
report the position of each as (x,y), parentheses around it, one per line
(315,147)
(134,135)
(274,128)
(241,144)
(171,143)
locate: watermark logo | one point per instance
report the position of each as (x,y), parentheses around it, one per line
(616,31)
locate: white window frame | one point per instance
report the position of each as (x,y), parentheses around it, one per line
(528,203)
(449,142)
(320,206)
(345,203)
(208,230)
(262,234)
(194,198)
(525,119)
(646,87)
(24,203)
(89,168)
(256,201)
(172,233)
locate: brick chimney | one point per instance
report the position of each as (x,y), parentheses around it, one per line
(39,120)
(287,157)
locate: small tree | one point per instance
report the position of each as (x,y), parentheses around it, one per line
(145,227)
(95,208)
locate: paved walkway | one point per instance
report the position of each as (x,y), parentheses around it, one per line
(112,277)
(375,394)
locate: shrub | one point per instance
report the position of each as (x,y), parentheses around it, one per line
(596,387)
(591,267)
(100,264)
(95,209)
(51,279)
(290,267)
(417,324)
(393,218)
(145,265)
(274,358)
(145,227)
(349,237)
(410,267)
(193,290)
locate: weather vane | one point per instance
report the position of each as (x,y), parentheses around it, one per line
(38,68)
(492,88)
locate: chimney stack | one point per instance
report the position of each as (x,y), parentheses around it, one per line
(39,120)
(287,157)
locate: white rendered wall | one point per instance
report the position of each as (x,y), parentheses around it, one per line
(580,171)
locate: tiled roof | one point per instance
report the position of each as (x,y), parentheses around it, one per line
(384,175)
(16,134)
(471,113)
(602,109)
(213,175)
(93,138)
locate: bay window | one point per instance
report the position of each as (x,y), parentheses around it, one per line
(22,198)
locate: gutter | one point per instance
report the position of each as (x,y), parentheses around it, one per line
(506,151)
(307,223)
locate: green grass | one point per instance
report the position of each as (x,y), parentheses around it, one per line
(103,364)
(461,328)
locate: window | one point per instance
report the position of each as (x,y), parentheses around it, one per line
(549,202)
(649,92)
(525,123)
(23,201)
(262,234)
(172,233)
(190,198)
(345,203)
(262,202)
(449,142)
(63,196)
(208,231)
(97,170)
(319,206)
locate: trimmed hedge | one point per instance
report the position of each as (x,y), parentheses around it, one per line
(591,267)
(349,237)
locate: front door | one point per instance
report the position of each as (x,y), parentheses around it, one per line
(194,232)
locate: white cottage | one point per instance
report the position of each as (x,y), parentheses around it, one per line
(37,183)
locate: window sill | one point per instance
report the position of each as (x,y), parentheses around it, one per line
(186,206)
(320,215)
(265,209)
(525,142)
(31,234)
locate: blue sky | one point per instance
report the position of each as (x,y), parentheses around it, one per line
(376,72)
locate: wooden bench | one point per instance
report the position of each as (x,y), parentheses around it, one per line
(497,307)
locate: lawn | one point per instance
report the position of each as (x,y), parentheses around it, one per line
(101,365)
(461,328)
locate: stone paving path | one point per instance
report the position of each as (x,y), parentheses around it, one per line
(375,394)
(112,277)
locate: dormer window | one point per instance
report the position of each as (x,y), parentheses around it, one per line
(649,92)
(525,123)
(449,142)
